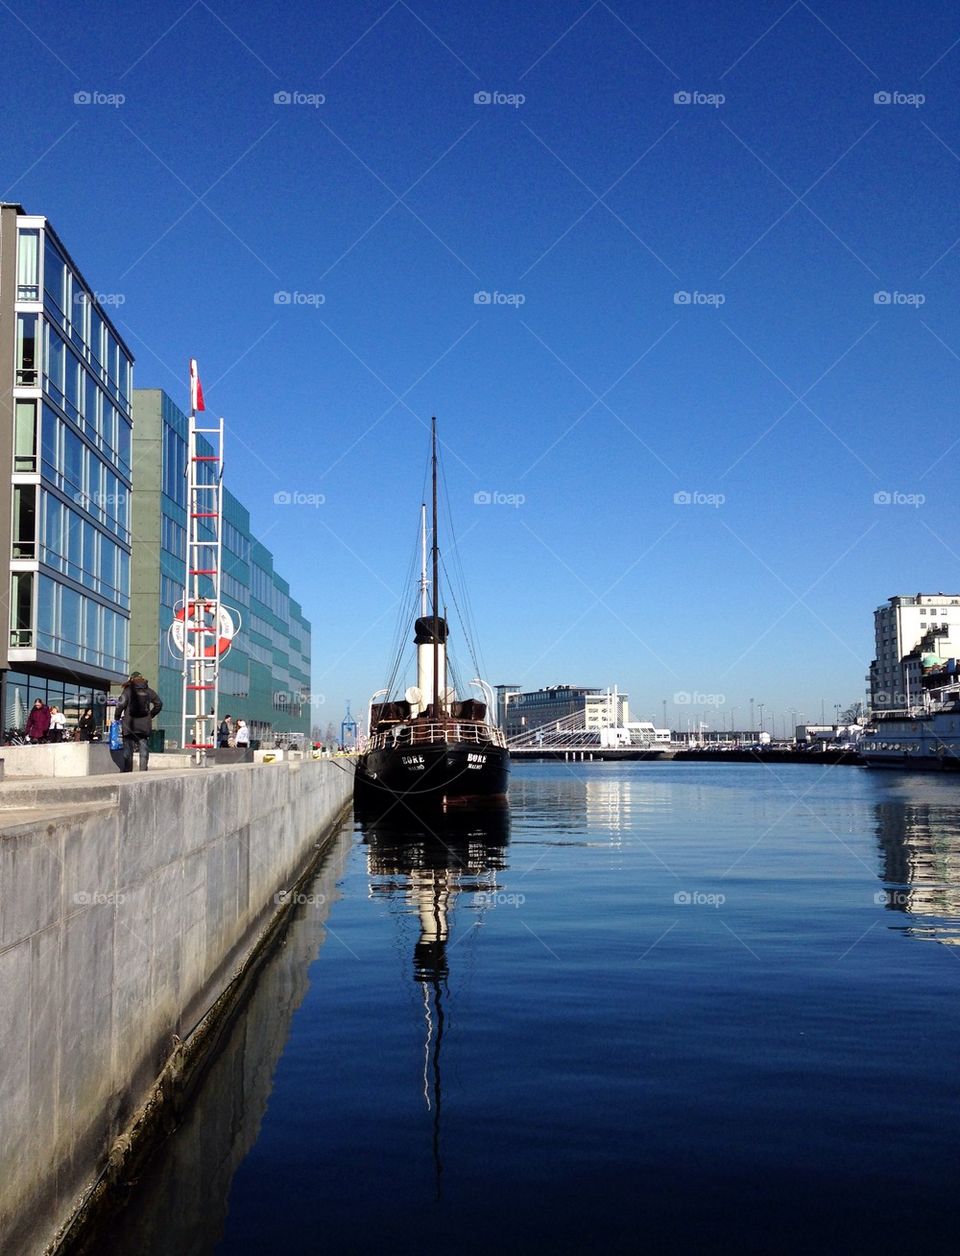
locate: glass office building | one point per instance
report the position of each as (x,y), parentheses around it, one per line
(265,678)
(66,381)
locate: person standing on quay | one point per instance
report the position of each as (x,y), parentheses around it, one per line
(87,725)
(58,725)
(224,733)
(243,734)
(38,721)
(136,710)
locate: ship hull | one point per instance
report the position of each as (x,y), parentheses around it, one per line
(445,774)
(926,744)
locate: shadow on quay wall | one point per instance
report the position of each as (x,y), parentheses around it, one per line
(179,1204)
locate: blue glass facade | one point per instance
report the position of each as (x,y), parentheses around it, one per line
(68,434)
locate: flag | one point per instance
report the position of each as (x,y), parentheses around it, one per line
(196,388)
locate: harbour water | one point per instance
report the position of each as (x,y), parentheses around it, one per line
(696,1007)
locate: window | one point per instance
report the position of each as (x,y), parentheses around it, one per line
(28,351)
(70,618)
(73,386)
(91,635)
(123,447)
(24,521)
(51,551)
(96,339)
(75,528)
(54,276)
(28,265)
(21,608)
(174,466)
(46,613)
(56,358)
(25,439)
(73,461)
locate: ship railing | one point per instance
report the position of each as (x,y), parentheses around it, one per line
(451,731)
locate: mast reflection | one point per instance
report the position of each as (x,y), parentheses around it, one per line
(427,862)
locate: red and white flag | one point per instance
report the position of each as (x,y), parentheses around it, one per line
(196,388)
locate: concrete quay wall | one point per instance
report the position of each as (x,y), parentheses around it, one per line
(125,914)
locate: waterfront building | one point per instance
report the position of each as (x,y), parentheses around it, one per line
(610,709)
(265,678)
(504,694)
(66,380)
(905,628)
(526,711)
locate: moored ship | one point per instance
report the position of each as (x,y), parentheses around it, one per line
(924,738)
(431,748)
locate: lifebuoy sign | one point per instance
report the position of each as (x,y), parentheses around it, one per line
(196,635)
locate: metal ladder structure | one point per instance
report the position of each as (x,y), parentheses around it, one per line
(202,611)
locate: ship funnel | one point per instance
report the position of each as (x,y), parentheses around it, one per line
(425,643)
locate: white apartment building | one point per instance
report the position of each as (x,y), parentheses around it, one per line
(899,628)
(606,710)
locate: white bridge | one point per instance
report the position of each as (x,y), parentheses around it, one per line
(570,735)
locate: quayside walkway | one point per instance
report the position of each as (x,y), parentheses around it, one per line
(132,909)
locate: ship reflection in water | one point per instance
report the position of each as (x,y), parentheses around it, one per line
(426,864)
(918,831)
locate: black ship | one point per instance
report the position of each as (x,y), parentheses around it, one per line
(429,748)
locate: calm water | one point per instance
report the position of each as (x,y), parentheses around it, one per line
(663,1007)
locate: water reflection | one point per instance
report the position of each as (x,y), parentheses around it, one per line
(180,1202)
(919,837)
(574,799)
(424,865)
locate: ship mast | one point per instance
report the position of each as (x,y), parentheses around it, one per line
(436,563)
(424,583)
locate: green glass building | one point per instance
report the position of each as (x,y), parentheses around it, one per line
(265,678)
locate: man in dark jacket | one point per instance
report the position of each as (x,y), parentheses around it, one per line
(138,706)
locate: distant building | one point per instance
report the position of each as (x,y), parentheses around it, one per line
(526,711)
(66,380)
(265,678)
(606,710)
(504,694)
(903,628)
(648,730)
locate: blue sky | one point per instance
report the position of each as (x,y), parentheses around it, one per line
(782,397)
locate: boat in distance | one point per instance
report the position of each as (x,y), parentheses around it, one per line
(430,748)
(925,738)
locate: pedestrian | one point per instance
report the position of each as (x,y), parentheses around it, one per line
(242,735)
(224,733)
(58,725)
(87,725)
(136,710)
(38,722)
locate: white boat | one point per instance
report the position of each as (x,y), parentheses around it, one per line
(925,738)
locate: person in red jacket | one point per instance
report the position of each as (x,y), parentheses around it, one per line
(38,721)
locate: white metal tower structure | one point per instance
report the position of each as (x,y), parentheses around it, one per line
(206,633)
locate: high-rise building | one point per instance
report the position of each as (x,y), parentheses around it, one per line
(901,627)
(265,678)
(66,380)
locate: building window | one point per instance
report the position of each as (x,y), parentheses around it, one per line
(25,441)
(21,609)
(54,275)
(28,265)
(28,357)
(55,365)
(24,521)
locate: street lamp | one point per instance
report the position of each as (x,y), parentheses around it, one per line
(762,704)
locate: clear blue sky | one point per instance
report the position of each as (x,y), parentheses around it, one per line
(599,397)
